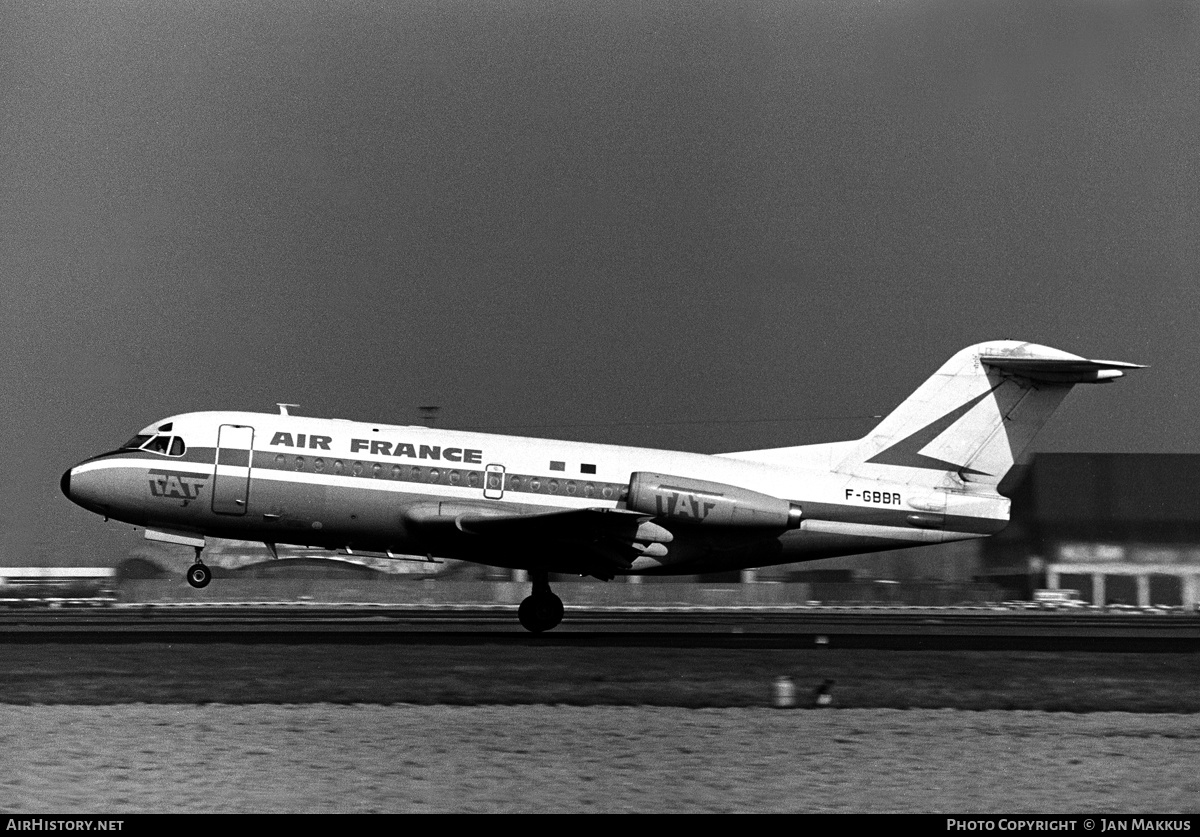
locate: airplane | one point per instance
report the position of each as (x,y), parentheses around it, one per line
(928,473)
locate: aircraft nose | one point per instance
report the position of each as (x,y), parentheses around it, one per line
(83,489)
(90,488)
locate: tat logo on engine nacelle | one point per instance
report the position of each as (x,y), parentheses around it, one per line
(683,505)
(710,503)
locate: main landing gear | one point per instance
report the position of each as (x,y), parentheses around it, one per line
(198,575)
(541,610)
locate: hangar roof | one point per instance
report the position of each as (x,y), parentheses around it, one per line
(1112,487)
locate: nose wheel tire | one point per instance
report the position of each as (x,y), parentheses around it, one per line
(199,575)
(540,612)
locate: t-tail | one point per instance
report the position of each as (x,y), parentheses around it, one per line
(967,426)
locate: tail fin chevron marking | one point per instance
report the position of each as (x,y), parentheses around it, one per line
(907,451)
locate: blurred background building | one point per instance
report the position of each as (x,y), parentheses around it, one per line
(1120,528)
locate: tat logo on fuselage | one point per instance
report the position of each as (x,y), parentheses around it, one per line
(186,487)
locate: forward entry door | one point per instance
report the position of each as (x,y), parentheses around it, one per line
(231,484)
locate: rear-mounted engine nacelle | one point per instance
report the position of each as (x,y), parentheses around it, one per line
(708,503)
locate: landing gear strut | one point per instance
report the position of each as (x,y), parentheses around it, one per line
(541,610)
(198,575)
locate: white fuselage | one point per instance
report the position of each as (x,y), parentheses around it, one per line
(339,484)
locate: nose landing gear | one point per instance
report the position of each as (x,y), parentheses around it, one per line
(541,610)
(198,575)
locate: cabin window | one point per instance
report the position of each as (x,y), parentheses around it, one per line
(318,464)
(299,463)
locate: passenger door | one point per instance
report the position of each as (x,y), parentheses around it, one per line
(231,483)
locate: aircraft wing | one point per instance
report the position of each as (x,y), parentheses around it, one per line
(612,537)
(574,524)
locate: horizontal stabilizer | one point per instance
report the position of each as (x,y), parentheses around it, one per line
(1060,370)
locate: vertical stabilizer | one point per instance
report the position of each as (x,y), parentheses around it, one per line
(967,425)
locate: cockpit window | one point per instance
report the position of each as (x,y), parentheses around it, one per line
(166,445)
(159,444)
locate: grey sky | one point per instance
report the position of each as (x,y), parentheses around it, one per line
(586,214)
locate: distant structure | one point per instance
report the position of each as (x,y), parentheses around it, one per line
(56,582)
(1119,528)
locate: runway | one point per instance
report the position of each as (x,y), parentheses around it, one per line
(859,627)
